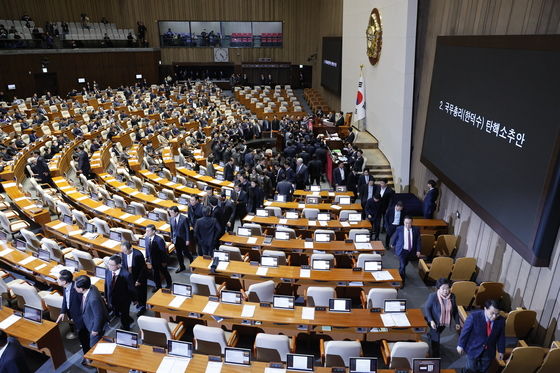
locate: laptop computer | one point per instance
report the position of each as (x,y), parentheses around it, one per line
(21,245)
(179,348)
(44,255)
(67,219)
(153,216)
(321,264)
(3,235)
(184,290)
(33,314)
(237,356)
(71,263)
(300,363)
(110,203)
(340,305)
(344,200)
(182,201)
(312,200)
(100,272)
(142,242)
(91,228)
(426,365)
(115,236)
(245,232)
(283,302)
(230,296)
(372,265)
(322,237)
(281,235)
(363,365)
(126,339)
(223,256)
(394,306)
(269,261)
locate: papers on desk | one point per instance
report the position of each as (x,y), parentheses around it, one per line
(211,307)
(248,310)
(90,236)
(27,260)
(395,319)
(222,266)
(62,188)
(308,245)
(59,225)
(157,200)
(274,370)
(214,367)
(6,252)
(283,221)
(363,246)
(164,226)
(134,193)
(9,185)
(312,223)
(40,267)
(177,301)
(20,199)
(102,208)
(382,276)
(202,194)
(344,223)
(301,205)
(7,322)
(262,271)
(267,203)
(173,364)
(252,240)
(125,215)
(94,280)
(304,273)
(249,217)
(322,223)
(336,207)
(110,244)
(316,194)
(55,271)
(139,221)
(104,349)
(157,178)
(307,313)
(31,207)
(331,194)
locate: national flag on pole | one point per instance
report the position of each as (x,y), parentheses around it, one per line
(360,111)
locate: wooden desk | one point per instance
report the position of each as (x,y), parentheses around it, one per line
(291,320)
(135,222)
(146,360)
(215,183)
(430,225)
(25,204)
(134,194)
(299,244)
(44,337)
(306,224)
(337,277)
(177,188)
(321,206)
(322,194)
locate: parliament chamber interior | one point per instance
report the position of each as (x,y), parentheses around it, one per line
(362,186)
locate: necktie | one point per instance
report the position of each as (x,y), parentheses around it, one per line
(113,280)
(488,328)
(410,239)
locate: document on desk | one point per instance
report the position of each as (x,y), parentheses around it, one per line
(104,349)
(210,307)
(248,310)
(312,223)
(59,225)
(274,370)
(249,217)
(27,260)
(173,364)
(252,240)
(40,267)
(308,313)
(304,273)
(134,193)
(267,203)
(344,223)
(323,223)
(382,276)
(262,271)
(163,226)
(395,319)
(177,301)
(214,367)
(363,246)
(331,194)
(157,200)
(222,266)
(301,205)
(75,233)
(308,245)
(8,321)
(110,244)
(336,207)
(6,252)
(102,208)
(125,215)
(283,221)
(139,221)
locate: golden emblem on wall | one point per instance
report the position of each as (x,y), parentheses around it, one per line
(374,34)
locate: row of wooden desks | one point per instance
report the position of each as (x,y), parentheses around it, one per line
(333,277)
(25,204)
(165,183)
(146,360)
(322,193)
(134,222)
(358,323)
(321,206)
(307,224)
(301,245)
(215,183)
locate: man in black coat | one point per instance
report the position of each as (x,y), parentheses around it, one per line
(340,175)
(42,169)
(180,236)
(386,193)
(207,232)
(134,262)
(394,217)
(229,170)
(366,192)
(285,188)
(373,214)
(290,174)
(94,312)
(12,358)
(83,162)
(71,308)
(156,256)
(217,212)
(364,178)
(315,170)
(240,199)
(275,124)
(119,290)
(302,175)
(358,162)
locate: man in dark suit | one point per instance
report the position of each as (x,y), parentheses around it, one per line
(483,333)
(83,162)
(194,213)
(290,174)
(340,175)
(94,312)
(406,242)
(359,161)
(394,218)
(266,126)
(315,170)
(364,178)
(134,262)
(180,236)
(302,175)
(240,199)
(156,256)
(351,136)
(340,121)
(12,356)
(285,188)
(366,192)
(71,307)
(373,214)
(119,290)
(217,212)
(275,124)
(207,232)
(229,170)
(430,200)
(42,169)
(386,193)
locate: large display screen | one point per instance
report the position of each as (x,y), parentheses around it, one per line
(492,134)
(331,64)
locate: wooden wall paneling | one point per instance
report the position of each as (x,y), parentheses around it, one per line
(534,288)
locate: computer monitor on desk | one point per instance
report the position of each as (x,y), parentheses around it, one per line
(283,302)
(315,188)
(126,339)
(67,219)
(183,290)
(322,237)
(244,232)
(354,217)
(280,198)
(321,264)
(394,305)
(230,296)
(269,261)
(237,356)
(281,235)
(340,305)
(362,238)
(262,213)
(223,256)
(300,363)
(372,265)
(363,365)
(100,272)
(32,314)
(344,200)
(44,255)
(115,236)
(312,200)
(292,215)
(179,348)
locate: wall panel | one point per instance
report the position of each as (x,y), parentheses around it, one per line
(535,288)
